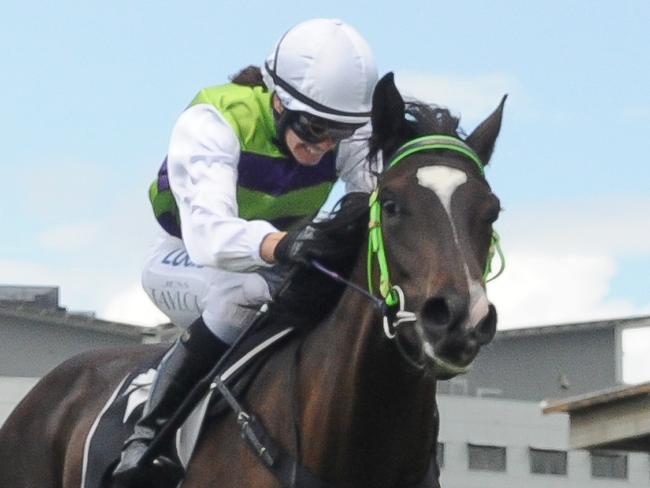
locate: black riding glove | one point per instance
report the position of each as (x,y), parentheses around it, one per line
(303,245)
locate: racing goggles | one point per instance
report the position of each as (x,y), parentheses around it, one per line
(313,129)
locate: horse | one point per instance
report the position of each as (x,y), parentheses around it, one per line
(351,396)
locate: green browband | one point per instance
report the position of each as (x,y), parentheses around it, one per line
(376,238)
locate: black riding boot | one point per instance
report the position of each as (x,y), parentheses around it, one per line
(185,364)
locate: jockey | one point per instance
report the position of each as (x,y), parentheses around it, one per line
(246,162)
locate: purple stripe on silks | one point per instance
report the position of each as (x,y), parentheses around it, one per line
(277,176)
(163,183)
(163,176)
(168,222)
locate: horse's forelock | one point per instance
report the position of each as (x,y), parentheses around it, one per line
(432,119)
(420,119)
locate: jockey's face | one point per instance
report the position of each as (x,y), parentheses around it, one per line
(306,153)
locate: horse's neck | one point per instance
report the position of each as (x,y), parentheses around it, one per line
(364,405)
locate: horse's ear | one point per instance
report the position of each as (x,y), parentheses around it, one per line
(483,138)
(387,109)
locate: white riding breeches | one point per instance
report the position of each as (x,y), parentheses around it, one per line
(184,291)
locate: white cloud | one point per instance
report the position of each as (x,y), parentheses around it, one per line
(473,97)
(542,288)
(561,259)
(133,306)
(615,225)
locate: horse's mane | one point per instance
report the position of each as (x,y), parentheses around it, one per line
(308,296)
(421,119)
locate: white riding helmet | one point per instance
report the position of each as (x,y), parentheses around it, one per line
(323,67)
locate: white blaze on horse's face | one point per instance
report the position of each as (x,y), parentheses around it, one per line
(444,181)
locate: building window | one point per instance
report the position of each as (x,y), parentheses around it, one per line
(487,458)
(605,464)
(440,454)
(547,461)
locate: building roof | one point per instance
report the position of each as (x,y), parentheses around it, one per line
(593,399)
(629,322)
(40,304)
(617,418)
(61,317)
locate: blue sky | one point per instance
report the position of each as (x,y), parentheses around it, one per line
(90,91)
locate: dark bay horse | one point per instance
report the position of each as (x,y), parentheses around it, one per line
(352,396)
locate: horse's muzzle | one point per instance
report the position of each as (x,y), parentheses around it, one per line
(441,324)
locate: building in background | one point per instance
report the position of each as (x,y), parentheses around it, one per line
(36,334)
(493,432)
(557,361)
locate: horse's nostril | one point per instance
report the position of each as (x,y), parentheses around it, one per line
(486,330)
(436,311)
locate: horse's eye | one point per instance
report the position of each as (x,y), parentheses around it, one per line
(390,207)
(491,211)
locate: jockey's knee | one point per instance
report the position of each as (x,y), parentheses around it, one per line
(228,310)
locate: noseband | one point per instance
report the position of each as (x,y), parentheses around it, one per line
(392,294)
